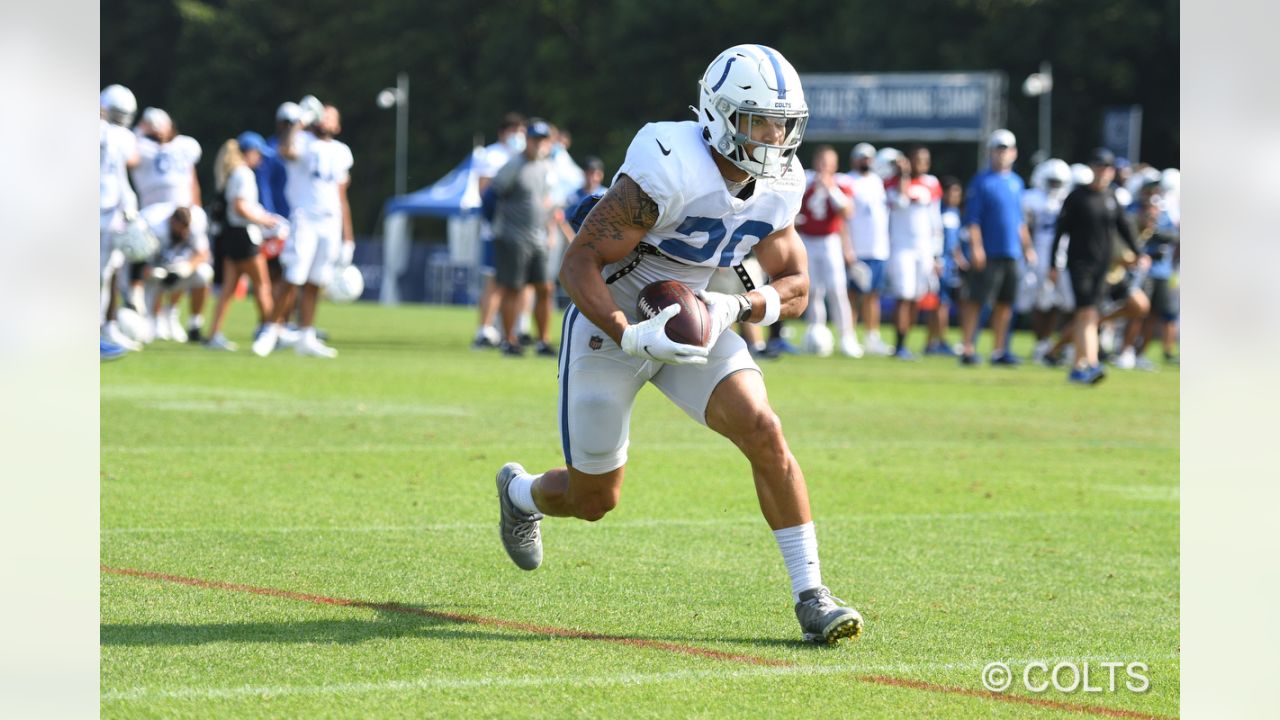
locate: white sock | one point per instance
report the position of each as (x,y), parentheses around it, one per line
(799,546)
(520,490)
(873,336)
(308,334)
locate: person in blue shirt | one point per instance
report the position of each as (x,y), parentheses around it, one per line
(997,236)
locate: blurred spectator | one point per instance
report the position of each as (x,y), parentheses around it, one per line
(592,183)
(997,236)
(869,232)
(1162,247)
(915,239)
(827,203)
(242,231)
(524,203)
(1090,215)
(321,236)
(117,202)
(272,176)
(952,257)
(510,142)
(1050,184)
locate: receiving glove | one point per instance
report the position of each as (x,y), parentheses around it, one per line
(348,253)
(312,109)
(648,341)
(724,310)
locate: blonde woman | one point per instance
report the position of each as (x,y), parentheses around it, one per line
(242,230)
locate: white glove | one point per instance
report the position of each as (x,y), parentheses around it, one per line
(724,310)
(648,341)
(348,253)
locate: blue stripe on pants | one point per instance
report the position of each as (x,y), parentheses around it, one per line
(566,341)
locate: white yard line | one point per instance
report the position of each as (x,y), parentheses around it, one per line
(640,522)
(447,683)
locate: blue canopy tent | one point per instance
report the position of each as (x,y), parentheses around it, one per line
(456,196)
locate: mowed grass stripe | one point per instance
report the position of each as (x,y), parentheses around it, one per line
(707,653)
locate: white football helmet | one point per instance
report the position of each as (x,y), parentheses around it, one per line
(819,340)
(748,86)
(118,105)
(1051,170)
(136,241)
(347,285)
(886,163)
(1081,174)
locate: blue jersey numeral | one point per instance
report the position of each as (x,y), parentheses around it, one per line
(715,231)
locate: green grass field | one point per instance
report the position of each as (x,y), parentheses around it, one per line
(971,514)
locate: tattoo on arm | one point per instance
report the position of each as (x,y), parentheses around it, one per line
(624,208)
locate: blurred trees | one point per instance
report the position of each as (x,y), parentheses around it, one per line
(603,68)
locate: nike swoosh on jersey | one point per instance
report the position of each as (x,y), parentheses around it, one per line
(664,150)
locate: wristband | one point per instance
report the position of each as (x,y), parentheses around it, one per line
(772,305)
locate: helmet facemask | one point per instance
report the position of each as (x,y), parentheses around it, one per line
(752,110)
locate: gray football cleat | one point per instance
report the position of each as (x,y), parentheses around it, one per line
(825,619)
(520,534)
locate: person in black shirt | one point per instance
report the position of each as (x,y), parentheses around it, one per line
(1091,216)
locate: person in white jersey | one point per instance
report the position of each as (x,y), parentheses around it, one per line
(824,211)
(690,197)
(117,202)
(1046,300)
(321,236)
(166,175)
(869,231)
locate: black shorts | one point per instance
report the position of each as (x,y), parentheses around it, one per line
(1164,302)
(235,243)
(997,282)
(1089,284)
(517,264)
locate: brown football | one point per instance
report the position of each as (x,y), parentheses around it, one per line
(691,326)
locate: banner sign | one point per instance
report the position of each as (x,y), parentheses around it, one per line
(963,107)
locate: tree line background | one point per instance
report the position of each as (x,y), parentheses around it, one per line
(602,68)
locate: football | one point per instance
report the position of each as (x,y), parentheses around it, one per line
(691,326)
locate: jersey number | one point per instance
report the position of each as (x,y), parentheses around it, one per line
(715,231)
(322,169)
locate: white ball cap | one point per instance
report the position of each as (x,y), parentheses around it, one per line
(863,150)
(1002,138)
(288,112)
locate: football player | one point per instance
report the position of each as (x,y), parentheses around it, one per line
(915,239)
(166,175)
(827,205)
(1051,182)
(321,236)
(182,265)
(117,202)
(689,198)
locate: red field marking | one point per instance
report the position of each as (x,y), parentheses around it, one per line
(633,642)
(452,617)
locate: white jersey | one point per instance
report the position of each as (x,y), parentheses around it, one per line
(1042,210)
(869,228)
(157,216)
(116,146)
(311,183)
(164,171)
(700,226)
